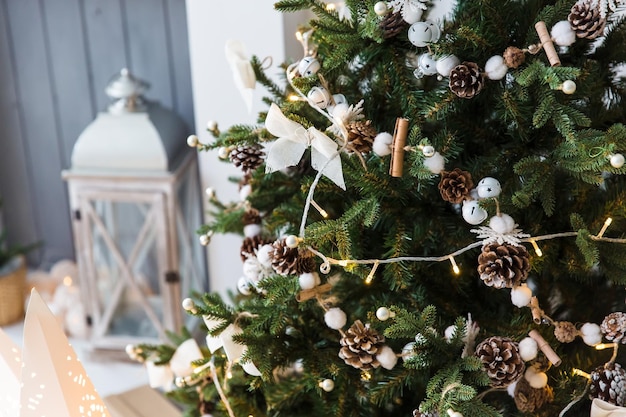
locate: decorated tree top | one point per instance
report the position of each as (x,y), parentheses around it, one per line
(433,216)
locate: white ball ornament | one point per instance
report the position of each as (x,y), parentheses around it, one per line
(263,255)
(528,349)
(381,8)
(319,96)
(568,87)
(335,318)
(591,334)
(488,187)
(243,286)
(446,63)
(292,241)
(536,379)
(309,280)
(193,141)
(617,160)
(435,163)
(473,213)
(387,358)
(188,304)
(426,64)
(382,144)
(383,314)
(502,224)
(495,68)
(327,385)
(308,66)
(521,295)
(411,15)
(252,230)
(562,33)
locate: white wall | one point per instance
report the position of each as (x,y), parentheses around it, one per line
(265,32)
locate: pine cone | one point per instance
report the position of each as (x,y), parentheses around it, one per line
(284,258)
(585,20)
(608,383)
(503,265)
(513,57)
(248,157)
(392,24)
(360,136)
(360,345)
(501,359)
(614,326)
(466,80)
(251,216)
(529,399)
(455,185)
(305,263)
(565,331)
(251,244)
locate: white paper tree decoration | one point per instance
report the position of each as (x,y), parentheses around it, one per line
(54,382)
(10,368)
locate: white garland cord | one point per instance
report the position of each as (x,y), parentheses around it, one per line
(220,391)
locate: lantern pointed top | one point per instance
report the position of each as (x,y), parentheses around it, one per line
(126,92)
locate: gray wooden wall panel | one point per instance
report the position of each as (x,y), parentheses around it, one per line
(15,183)
(56,57)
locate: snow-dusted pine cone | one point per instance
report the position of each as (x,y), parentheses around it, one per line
(247,157)
(360,345)
(586,20)
(361,136)
(501,359)
(305,263)
(503,266)
(529,399)
(608,383)
(251,216)
(392,24)
(466,80)
(251,244)
(513,57)
(284,258)
(614,327)
(455,185)
(565,331)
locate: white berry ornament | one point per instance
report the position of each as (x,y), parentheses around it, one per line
(488,188)
(381,8)
(308,66)
(319,96)
(617,160)
(473,213)
(422,33)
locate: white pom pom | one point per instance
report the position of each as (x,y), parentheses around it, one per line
(252,230)
(408,351)
(502,224)
(245,192)
(591,334)
(562,33)
(335,318)
(243,286)
(528,349)
(387,357)
(340,111)
(496,68)
(251,270)
(536,379)
(617,160)
(446,63)
(263,255)
(510,389)
(382,144)
(521,295)
(435,163)
(449,332)
(309,280)
(188,304)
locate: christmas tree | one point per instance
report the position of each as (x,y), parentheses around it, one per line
(433,218)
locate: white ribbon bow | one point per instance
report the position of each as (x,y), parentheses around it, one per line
(293,139)
(243,73)
(601,408)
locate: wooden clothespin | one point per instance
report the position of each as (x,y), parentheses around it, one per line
(305,295)
(400,135)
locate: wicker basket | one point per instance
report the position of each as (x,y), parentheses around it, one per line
(12,287)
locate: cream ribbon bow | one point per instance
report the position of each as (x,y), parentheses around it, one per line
(601,408)
(243,73)
(293,139)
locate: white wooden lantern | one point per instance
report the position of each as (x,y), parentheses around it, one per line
(135,205)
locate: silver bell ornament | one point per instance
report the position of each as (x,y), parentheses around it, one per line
(488,187)
(422,33)
(473,213)
(412,15)
(319,96)
(446,63)
(426,64)
(308,66)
